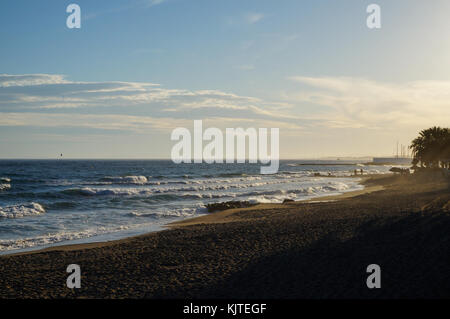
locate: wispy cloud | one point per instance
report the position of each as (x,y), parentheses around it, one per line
(98,121)
(132,123)
(152,3)
(135,104)
(356,102)
(245,19)
(7,80)
(245,67)
(317,103)
(254,17)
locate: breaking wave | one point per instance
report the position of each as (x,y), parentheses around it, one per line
(4,187)
(49,239)
(19,211)
(125,180)
(182,212)
(5,183)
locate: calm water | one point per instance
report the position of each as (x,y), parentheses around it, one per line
(50,202)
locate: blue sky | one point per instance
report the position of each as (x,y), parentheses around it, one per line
(137,69)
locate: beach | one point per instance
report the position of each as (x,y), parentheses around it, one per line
(48,202)
(308,249)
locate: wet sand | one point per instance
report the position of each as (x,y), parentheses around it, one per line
(294,250)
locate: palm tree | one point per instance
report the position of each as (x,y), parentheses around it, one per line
(432,148)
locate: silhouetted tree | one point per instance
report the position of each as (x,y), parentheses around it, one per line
(432,148)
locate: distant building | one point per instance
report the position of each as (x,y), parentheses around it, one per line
(392,160)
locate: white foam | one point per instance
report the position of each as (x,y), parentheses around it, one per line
(4,187)
(89,191)
(18,211)
(278,196)
(180,212)
(141,214)
(50,239)
(135,179)
(128,179)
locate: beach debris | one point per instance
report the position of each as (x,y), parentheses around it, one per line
(216,207)
(402,171)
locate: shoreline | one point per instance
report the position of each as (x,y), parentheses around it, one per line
(296,250)
(215,217)
(224,216)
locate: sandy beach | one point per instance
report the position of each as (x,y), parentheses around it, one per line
(311,249)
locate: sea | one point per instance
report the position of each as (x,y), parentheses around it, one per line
(46,203)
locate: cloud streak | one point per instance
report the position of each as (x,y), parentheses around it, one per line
(47,100)
(53,101)
(254,17)
(7,80)
(355,102)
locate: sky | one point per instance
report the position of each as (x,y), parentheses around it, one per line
(137,69)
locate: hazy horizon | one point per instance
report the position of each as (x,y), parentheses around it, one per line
(331,158)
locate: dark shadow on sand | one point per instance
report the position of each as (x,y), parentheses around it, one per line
(413,252)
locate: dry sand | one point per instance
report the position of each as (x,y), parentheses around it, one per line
(293,250)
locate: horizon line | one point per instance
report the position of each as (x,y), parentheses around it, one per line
(169,159)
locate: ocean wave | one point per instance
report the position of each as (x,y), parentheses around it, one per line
(157,194)
(146,195)
(278,196)
(125,179)
(28,180)
(206,190)
(173,197)
(4,187)
(181,212)
(232,174)
(141,214)
(62,205)
(49,239)
(19,211)
(5,183)
(88,191)
(66,236)
(172,180)
(122,191)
